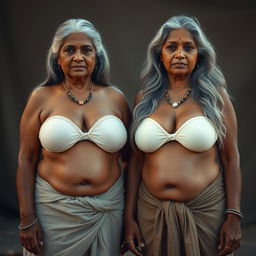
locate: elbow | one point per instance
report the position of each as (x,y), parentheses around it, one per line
(231,163)
(26,159)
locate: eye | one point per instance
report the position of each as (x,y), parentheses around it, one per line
(69,49)
(87,50)
(189,48)
(171,47)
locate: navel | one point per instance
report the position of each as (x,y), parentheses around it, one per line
(169,186)
(86,182)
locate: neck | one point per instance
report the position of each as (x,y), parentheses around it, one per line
(78,83)
(178,82)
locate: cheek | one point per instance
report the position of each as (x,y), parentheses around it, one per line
(166,59)
(193,61)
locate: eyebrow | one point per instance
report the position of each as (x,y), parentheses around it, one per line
(174,42)
(72,45)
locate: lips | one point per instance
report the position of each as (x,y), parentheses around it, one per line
(179,64)
(83,67)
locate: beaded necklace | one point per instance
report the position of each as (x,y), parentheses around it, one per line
(74,99)
(175,104)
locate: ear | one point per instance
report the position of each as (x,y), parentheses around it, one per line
(161,58)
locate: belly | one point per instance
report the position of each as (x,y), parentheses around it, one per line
(85,169)
(175,173)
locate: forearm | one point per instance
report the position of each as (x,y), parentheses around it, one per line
(232,179)
(25,188)
(132,188)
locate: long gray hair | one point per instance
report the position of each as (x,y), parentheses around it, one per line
(206,78)
(100,74)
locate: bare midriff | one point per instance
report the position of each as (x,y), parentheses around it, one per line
(176,173)
(82,170)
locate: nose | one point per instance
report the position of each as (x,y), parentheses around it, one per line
(180,54)
(78,57)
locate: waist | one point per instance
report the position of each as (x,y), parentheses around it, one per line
(45,192)
(80,175)
(179,176)
(213,191)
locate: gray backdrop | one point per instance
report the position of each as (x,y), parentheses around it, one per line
(27,28)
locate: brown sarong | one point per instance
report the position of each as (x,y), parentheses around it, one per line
(174,228)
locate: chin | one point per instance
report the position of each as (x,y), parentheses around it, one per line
(183,73)
(79,74)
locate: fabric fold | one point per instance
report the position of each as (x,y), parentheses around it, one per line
(182,228)
(82,225)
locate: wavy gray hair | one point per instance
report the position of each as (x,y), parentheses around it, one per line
(206,78)
(100,74)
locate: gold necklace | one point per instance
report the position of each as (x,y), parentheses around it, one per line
(74,99)
(175,104)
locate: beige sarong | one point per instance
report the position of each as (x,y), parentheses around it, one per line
(83,225)
(172,228)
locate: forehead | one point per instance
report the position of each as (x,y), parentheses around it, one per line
(77,39)
(180,34)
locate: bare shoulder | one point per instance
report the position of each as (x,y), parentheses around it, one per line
(115,92)
(38,97)
(228,106)
(116,95)
(41,92)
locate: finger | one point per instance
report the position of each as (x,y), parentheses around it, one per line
(140,240)
(124,248)
(35,245)
(32,247)
(40,238)
(132,248)
(236,244)
(221,241)
(227,247)
(29,248)
(26,243)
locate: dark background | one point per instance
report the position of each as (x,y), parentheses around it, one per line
(26,31)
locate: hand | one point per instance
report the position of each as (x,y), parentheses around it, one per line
(133,238)
(230,235)
(31,238)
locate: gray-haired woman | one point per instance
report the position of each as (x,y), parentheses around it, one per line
(72,136)
(185,136)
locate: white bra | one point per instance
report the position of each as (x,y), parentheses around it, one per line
(59,133)
(196,134)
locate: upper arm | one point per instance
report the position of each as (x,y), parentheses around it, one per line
(229,149)
(29,128)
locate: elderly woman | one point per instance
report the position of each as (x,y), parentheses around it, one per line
(185,166)
(72,138)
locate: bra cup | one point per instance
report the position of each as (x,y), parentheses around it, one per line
(196,134)
(58,134)
(109,134)
(197,138)
(149,137)
(62,136)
